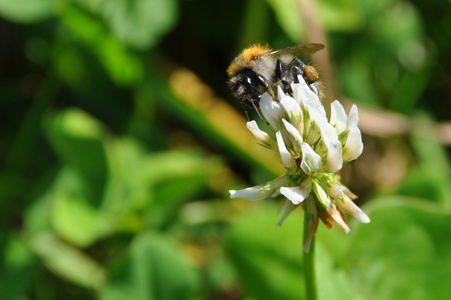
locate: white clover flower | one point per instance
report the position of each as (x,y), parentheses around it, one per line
(338,117)
(311,161)
(285,156)
(259,134)
(271,110)
(312,149)
(267,190)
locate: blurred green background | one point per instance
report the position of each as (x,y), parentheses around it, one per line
(120,141)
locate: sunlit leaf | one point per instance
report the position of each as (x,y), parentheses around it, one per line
(77,139)
(123,66)
(73,217)
(430,178)
(343,15)
(140,23)
(268,258)
(26,11)
(153,269)
(68,262)
(404,252)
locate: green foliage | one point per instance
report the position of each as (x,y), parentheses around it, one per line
(404,252)
(266,257)
(26,11)
(117,151)
(153,268)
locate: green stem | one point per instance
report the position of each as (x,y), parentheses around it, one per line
(309,264)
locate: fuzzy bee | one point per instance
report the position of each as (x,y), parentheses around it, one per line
(258,69)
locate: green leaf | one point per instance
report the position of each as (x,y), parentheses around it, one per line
(18,267)
(287,15)
(78,140)
(73,217)
(153,269)
(26,11)
(342,15)
(404,253)
(68,262)
(431,178)
(268,258)
(123,66)
(332,281)
(140,23)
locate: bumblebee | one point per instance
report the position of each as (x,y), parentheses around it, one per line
(258,69)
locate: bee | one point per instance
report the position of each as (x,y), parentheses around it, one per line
(259,69)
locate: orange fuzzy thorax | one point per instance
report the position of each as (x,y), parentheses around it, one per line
(245,58)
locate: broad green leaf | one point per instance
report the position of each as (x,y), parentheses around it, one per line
(78,140)
(175,177)
(72,216)
(155,183)
(342,15)
(332,280)
(123,66)
(67,261)
(153,268)
(404,253)
(18,267)
(26,11)
(268,258)
(37,216)
(140,23)
(430,179)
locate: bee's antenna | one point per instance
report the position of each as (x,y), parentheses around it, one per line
(256,109)
(247,114)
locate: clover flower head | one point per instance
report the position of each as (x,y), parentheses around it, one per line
(312,149)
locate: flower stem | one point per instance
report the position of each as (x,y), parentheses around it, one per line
(309,263)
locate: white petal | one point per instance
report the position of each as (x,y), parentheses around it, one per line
(285,156)
(252,193)
(293,132)
(257,132)
(336,190)
(334,160)
(353,117)
(302,92)
(295,194)
(316,110)
(349,207)
(338,117)
(291,107)
(280,93)
(311,161)
(334,157)
(354,145)
(271,110)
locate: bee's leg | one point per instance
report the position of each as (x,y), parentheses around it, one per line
(280,76)
(263,82)
(298,67)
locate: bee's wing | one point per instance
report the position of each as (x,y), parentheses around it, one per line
(299,50)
